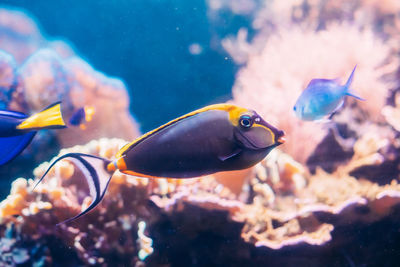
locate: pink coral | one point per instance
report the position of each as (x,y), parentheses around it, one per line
(279,205)
(48,71)
(20,36)
(275,205)
(272,80)
(7,78)
(46,78)
(125,207)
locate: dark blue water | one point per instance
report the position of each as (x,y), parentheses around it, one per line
(145,42)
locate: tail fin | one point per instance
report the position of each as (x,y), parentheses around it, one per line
(350,79)
(347,86)
(97,177)
(49,118)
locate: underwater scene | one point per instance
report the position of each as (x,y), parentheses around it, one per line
(200,133)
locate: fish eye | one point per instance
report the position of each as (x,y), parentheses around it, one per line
(246,121)
(294,108)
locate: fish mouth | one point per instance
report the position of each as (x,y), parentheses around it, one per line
(279,135)
(280,138)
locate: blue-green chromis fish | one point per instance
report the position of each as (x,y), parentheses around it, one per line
(322,97)
(215,138)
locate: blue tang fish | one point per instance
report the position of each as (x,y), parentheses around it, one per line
(82,116)
(322,97)
(220,137)
(17,129)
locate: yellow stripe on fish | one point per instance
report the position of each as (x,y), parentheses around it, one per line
(234,114)
(221,137)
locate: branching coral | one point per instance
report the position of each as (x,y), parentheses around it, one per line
(273,79)
(280,205)
(60,195)
(392,114)
(121,215)
(324,202)
(297,41)
(283,204)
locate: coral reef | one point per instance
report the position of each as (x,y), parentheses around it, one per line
(347,171)
(331,187)
(20,36)
(103,232)
(36,72)
(115,230)
(7,78)
(281,66)
(307,213)
(280,205)
(392,113)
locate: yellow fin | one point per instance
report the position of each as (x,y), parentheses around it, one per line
(49,118)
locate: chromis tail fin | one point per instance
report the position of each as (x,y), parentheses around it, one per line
(348,83)
(350,93)
(350,79)
(94,169)
(49,118)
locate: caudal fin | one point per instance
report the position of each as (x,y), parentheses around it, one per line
(350,79)
(349,92)
(95,173)
(49,118)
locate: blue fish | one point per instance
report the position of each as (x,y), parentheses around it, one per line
(17,129)
(322,97)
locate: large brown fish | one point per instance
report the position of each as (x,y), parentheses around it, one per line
(216,138)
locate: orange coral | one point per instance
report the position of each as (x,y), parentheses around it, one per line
(277,206)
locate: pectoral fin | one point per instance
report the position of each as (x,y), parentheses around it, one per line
(230,155)
(338,106)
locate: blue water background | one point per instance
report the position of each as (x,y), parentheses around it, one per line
(145,43)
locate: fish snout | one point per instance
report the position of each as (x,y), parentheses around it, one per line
(278,136)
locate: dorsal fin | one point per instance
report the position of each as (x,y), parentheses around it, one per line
(314,82)
(13,114)
(127,147)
